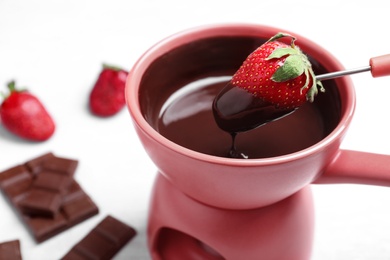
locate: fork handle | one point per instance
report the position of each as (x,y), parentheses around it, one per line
(380,66)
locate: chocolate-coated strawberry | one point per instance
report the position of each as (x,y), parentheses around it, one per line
(108,94)
(271,83)
(278,73)
(25,116)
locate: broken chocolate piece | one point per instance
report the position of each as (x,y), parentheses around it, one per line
(13,175)
(35,165)
(45,195)
(51,181)
(10,250)
(35,197)
(64,165)
(103,241)
(54,181)
(40,202)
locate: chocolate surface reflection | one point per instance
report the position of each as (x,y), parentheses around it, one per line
(236,110)
(189,121)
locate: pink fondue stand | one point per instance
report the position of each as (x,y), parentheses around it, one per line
(210,207)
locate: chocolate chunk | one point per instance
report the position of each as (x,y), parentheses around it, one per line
(54,181)
(42,228)
(37,197)
(103,241)
(45,196)
(14,182)
(35,165)
(17,192)
(64,165)
(74,191)
(10,250)
(13,175)
(71,213)
(40,202)
(77,205)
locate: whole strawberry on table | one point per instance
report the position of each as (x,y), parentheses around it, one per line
(108,93)
(272,82)
(24,115)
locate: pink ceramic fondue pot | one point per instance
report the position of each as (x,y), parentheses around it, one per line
(200,198)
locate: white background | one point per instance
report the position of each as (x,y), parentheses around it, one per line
(56,48)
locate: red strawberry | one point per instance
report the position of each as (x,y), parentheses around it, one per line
(25,116)
(108,94)
(272,82)
(278,73)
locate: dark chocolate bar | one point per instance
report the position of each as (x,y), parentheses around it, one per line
(10,250)
(18,184)
(103,241)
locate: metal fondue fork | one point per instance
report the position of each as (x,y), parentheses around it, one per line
(379,66)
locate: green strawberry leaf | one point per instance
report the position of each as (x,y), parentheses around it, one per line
(313,91)
(278,53)
(293,67)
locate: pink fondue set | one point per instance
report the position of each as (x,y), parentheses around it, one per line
(211,207)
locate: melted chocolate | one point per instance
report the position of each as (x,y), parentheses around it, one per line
(188,120)
(185,115)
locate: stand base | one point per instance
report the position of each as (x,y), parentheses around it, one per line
(182,228)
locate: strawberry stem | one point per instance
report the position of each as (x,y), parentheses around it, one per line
(111,67)
(281,35)
(11,86)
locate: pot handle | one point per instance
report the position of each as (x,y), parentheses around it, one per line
(357,168)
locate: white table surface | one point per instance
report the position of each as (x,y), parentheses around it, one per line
(56,48)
